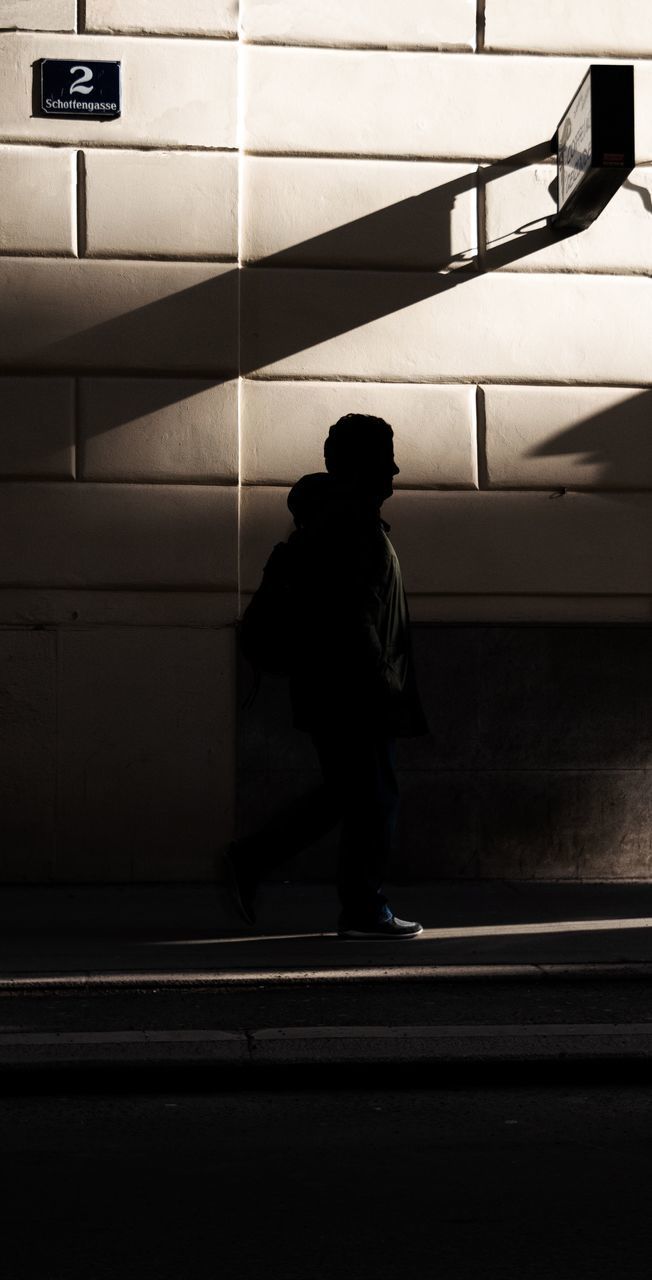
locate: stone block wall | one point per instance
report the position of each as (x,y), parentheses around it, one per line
(119,341)
(307,209)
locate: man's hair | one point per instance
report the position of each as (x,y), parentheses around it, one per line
(355,441)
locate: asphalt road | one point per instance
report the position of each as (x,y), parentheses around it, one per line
(308,1184)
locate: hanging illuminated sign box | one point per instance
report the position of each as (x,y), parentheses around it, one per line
(76,90)
(595,145)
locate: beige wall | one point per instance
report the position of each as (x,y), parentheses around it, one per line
(305,209)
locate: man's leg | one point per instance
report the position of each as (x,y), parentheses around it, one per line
(359,772)
(299,824)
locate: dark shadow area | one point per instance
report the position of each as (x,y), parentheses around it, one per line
(421,225)
(425,218)
(477,923)
(118,938)
(191,332)
(537,763)
(643,192)
(531,741)
(538,760)
(617,441)
(585,1073)
(103,408)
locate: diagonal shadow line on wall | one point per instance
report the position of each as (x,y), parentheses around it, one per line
(423,219)
(146,340)
(616,444)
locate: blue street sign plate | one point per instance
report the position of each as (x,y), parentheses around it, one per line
(74,89)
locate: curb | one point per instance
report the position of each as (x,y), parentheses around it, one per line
(101,980)
(323,1046)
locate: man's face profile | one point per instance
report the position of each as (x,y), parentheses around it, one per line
(381,471)
(360,454)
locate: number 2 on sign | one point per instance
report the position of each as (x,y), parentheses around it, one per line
(84,83)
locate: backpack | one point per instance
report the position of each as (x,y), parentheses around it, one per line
(266,631)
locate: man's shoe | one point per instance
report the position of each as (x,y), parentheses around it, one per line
(241,887)
(387,927)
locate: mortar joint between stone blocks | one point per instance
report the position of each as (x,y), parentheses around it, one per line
(354,46)
(480,24)
(481,439)
(481,218)
(82,238)
(81,15)
(76,434)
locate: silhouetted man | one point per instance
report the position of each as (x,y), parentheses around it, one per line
(352,683)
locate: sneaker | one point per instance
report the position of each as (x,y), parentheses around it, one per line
(241,887)
(391,927)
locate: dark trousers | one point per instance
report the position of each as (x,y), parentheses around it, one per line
(359,789)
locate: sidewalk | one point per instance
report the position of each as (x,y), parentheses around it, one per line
(181,932)
(151,974)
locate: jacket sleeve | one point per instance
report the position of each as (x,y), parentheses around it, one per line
(363,602)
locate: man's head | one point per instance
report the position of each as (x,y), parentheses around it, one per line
(359,452)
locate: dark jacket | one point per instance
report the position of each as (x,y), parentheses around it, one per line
(352,664)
